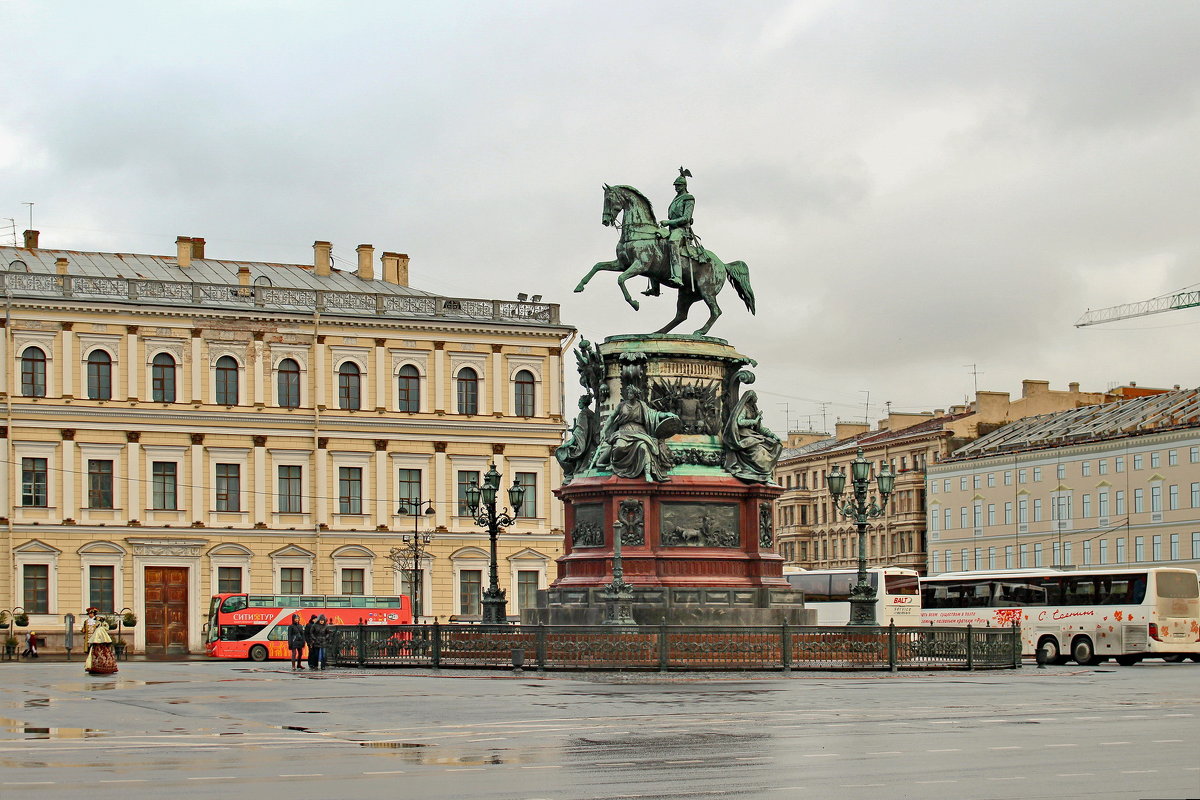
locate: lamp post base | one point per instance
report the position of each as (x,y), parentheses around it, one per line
(862,605)
(495,610)
(618,603)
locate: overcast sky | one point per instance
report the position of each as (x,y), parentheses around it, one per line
(916,187)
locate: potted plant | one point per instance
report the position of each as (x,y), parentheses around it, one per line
(10,646)
(119,647)
(22,619)
(129,619)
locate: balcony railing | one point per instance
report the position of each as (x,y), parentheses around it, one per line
(188,293)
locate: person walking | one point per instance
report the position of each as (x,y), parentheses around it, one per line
(310,641)
(295,634)
(321,638)
(30,645)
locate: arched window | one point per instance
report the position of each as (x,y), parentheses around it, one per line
(408,389)
(289,383)
(162,378)
(99,375)
(33,372)
(468,391)
(226,386)
(349,387)
(523,387)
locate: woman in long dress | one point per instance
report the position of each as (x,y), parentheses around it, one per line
(101,660)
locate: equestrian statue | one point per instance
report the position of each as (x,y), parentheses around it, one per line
(667,253)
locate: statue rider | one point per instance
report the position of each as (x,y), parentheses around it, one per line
(681,241)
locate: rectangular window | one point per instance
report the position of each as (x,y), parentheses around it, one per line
(101,587)
(1062,472)
(977,515)
(962,516)
(1103,466)
(1037,555)
(1194,455)
(163,478)
(349,490)
(1174,546)
(976,481)
(1008,477)
(1156,548)
(935,559)
(229,579)
(1156,498)
(409,492)
(529,506)
(962,484)
(1173,497)
(948,514)
(1086,468)
(1008,513)
(1120,551)
(991,479)
(1139,501)
(527,588)
(289,490)
(934,520)
(35,483)
(1008,556)
(1138,462)
(291,580)
(1024,556)
(1037,511)
(1066,554)
(1086,503)
(1172,458)
(965,556)
(1022,511)
(1020,476)
(470,589)
(991,558)
(991,514)
(1139,548)
(100,483)
(1120,501)
(1104,551)
(1037,474)
(1154,460)
(1087,553)
(1103,497)
(466,479)
(229,487)
(1196,495)
(353,581)
(1196,544)
(946,485)
(949,561)
(36,582)
(1119,463)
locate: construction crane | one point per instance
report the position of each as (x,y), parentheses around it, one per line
(1156,305)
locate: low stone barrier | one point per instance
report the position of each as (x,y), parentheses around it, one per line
(669,647)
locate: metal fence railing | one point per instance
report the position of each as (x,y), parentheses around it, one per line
(674,647)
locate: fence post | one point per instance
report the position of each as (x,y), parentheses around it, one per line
(1016,645)
(785,647)
(541,647)
(663,649)
(970,648)
(892,658)
(361,644)
(437,644)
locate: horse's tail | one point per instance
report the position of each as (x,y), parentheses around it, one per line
(739,275)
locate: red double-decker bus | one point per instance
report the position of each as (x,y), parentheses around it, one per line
(254,626)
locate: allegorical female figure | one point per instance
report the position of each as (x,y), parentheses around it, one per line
(575,453)
(751,449)
(632,443)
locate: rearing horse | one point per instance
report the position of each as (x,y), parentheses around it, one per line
(642,250)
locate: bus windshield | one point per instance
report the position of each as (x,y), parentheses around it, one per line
(1177,585)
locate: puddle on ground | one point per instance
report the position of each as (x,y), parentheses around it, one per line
(392,745)
(312,712)
(31,732)
(38,702)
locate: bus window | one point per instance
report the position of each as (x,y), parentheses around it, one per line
(237,633)
(1179,585)
(901,584)
(1081,591)
(815,587)
(235,603)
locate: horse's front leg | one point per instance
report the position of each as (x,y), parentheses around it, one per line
(603,266)
(635,269)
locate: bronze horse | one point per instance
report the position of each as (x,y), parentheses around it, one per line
(642,250)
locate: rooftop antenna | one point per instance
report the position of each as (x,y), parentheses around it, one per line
(975,373)
(866,406)
(10,229)
(787,414)
(30,214)
(824,404)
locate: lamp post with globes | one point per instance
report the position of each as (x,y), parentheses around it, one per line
(482,506)
(407,558)
(861,509)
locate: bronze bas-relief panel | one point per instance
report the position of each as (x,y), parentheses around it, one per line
(588,530)
(700,525)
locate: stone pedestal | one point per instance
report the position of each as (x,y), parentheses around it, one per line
(697,548)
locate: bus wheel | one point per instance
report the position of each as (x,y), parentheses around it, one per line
(258,653)
(1128,661)
(1174,658)
(1083,652)
(1050,652)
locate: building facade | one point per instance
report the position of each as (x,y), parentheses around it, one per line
(1111,485)
(812,535)
(181,425)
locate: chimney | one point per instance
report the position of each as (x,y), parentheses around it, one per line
(183,249)
(402,270)
(366,265)
(391,267)
(61,265)
(322,256)
(1073,387)
(31,239)
(243,275)
(198,248)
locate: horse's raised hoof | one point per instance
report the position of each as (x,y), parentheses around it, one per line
(579,288)
(636,305)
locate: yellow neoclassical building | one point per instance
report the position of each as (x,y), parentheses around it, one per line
(178,425)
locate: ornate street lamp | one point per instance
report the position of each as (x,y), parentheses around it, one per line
(407,558)
(481,501)
(861,510)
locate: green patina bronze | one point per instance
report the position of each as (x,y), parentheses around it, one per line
(668,253)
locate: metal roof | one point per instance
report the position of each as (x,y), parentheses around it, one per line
(1156,412)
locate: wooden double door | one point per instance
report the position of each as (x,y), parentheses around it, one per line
(166,611)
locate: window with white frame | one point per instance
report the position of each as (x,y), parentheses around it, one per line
(229,567)
(227,381)
(37,572)
(292,566)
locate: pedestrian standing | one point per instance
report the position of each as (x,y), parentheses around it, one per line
(321,636)
(100,657)
(308,640)
(295,633)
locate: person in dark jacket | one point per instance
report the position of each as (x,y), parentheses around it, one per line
(322,638)
(311,641)
(295,633)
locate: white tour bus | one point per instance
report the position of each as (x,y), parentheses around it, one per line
(1088,615)
(828,591)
